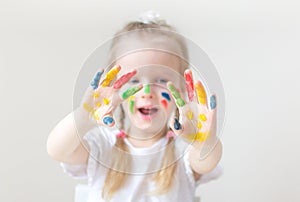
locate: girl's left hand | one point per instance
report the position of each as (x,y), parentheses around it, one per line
(197,117)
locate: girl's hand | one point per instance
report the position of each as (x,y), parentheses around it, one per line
(103,97)
(197,117)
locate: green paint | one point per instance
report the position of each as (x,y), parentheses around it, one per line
(147,89)
(174,91)
(180,102)
(131,91)
(131,106)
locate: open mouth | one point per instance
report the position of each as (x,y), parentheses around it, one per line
(147,111)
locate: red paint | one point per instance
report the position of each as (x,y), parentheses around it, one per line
(164,103)
(189,84)
(124,79)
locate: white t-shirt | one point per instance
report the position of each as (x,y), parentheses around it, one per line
(101,140)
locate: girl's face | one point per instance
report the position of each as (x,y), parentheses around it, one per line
(149,109)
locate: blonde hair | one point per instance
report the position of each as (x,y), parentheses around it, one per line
(163,178)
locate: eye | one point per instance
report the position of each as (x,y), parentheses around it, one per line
(134,81)
(162,81)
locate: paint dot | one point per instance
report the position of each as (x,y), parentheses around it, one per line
(166,95)
(202,117)
(190,115)
(96,95)
(164,103)
(199,125)
(106,101)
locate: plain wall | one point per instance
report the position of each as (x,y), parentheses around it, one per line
(254,45)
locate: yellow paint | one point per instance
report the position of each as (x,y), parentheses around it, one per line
(190,115)
(111,75)
(95,115)
(200,136)
(96,95)
(98,104)
(202,117)
(87,107)
(106,101)
(200,93)
(199,125)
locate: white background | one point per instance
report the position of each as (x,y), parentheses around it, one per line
(254,45)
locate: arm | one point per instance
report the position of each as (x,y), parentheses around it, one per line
(207,163)
(65,143)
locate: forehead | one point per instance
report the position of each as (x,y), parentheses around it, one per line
(153,58)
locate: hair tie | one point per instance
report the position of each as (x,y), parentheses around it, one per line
(170,134)
(151,17)
(121,134)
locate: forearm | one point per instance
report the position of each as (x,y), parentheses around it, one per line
(65,138)
(205,156)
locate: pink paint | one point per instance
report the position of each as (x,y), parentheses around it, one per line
(189,84)
(124,79)
(164,103)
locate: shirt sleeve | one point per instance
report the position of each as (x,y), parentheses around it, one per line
(99,143)
(205,178)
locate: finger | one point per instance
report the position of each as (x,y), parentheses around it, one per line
(131,91)
(123,80)
(201,94)
(96,79)
(108,120)
(176,95)
(111,75)
(176,126)
(213,102)
(189,84)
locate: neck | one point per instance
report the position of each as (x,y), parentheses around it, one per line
(140,138)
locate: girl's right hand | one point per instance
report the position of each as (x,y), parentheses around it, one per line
(102,97)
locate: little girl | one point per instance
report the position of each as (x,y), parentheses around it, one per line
(135,137)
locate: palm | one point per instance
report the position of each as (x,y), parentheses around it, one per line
(197,120)
(103,97)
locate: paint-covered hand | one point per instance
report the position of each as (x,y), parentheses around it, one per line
(103,96)
(197,116)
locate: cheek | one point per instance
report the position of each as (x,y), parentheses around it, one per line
(166,101)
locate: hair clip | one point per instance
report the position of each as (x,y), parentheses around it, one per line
(151,17)
(121,134)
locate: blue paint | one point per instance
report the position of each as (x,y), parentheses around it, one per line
(95,82)
(108,120)
(177,125)
(213,102)
(166,95)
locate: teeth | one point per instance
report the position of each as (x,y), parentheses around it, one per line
(147,111)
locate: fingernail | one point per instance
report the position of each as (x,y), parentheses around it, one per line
(108,120)
(177,125)
(213,102)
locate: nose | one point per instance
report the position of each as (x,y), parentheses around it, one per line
(147,94)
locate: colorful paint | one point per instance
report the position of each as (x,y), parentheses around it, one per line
(124,79)
(200,93)
(108,120)
(190,115)
(147,89)
(189,84)
(95,82)
(111,75)
(131,91)
(106,101)
(131,106)
(176,95)
(166,95)
(202,117)
(213,102)
(96,94)
(164,103)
